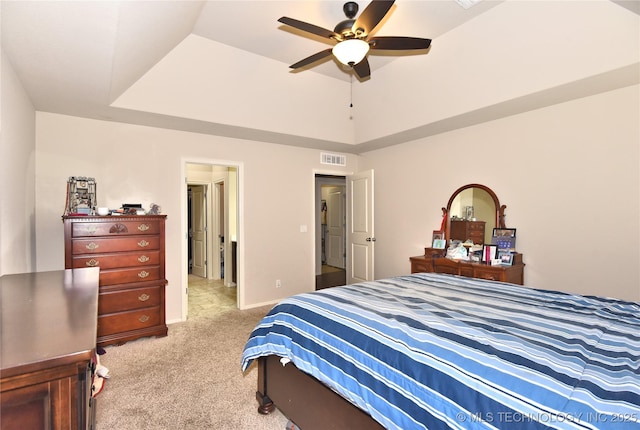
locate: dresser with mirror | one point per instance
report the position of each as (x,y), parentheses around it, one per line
(471,214)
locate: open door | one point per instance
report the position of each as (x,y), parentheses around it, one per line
(198,231)
(335,239)
(360,231)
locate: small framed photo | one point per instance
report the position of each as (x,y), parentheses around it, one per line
(489,252)
(504,232)
(437,235)
(505,238)
(439,244)
(506,258)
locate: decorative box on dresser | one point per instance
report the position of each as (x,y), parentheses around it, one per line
(434,260)
(130,252)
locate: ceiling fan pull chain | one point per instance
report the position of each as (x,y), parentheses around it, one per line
(351,91)
(351,97)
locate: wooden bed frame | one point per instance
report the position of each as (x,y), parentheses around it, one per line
(304,400)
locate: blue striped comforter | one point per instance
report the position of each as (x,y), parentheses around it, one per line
(439,351)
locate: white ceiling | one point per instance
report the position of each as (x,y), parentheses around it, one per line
(77,57)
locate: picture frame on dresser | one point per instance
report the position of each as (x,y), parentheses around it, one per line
(504,232)
(505,257)
(489,252)
(438,239)
(439,244)
(505,238)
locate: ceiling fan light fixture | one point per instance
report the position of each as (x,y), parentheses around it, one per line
(351,51)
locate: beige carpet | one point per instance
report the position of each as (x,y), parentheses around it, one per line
(190,379)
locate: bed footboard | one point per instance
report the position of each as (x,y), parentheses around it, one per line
(304,400)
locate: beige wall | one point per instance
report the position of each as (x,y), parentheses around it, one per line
(569,175)
(145,165)
(17,175)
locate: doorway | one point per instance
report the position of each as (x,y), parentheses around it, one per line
(330,231)
(211,233)
(197,228)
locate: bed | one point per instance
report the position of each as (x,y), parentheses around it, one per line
(441,351)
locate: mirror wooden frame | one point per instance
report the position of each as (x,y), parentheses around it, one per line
(499,208)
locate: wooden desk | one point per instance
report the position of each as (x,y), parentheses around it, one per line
(49,326)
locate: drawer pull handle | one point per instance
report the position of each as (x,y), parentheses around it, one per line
(143,319)
(92,246)
(143,259)
(144,297)
(143,227)
(143,274)
(143,243)
(92,263)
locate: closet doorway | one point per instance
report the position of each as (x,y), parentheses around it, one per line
(197,227)
(330,231)
(211,238)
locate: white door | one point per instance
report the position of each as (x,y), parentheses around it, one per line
(360,232)
(334,241)
(199,232)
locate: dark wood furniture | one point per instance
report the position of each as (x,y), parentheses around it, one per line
(435,261)
(49,323)
(464,230)
(130,252)
(306,401)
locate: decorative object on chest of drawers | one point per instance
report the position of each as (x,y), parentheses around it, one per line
(130,252)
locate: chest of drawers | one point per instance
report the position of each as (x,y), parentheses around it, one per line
(464,230)
(130,254)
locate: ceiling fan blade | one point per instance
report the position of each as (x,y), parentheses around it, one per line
(371,16)
(399,43)
(312,59)
(362,69)
(310,28)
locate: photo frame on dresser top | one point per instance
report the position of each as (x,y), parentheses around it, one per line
(439,244)
(506,258)
(489,252)
(504,232)
(505,238)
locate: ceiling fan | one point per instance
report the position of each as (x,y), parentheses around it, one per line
(353,38)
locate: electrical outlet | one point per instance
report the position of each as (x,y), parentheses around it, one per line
(278,283)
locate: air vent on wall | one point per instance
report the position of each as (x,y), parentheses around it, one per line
(333,159)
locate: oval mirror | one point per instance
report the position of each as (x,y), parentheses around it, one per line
(475,211)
